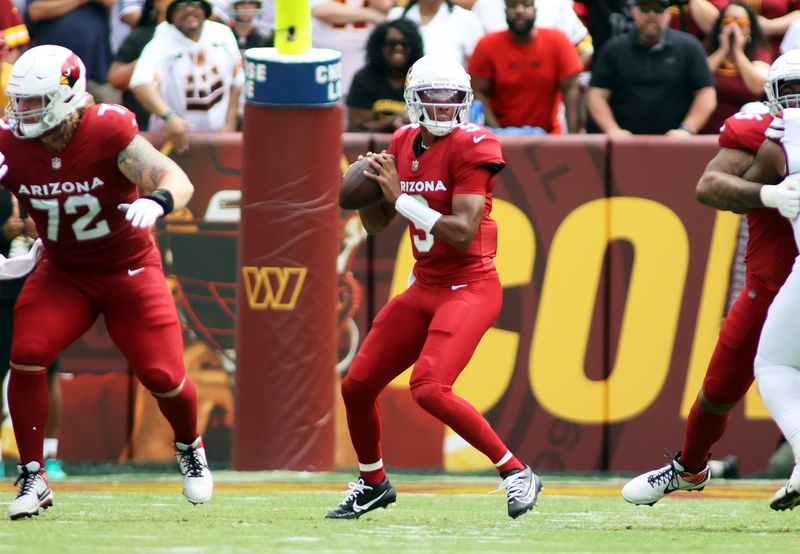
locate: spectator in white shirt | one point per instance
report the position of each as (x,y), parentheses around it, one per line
(189,76)
(345,26)
(447,29)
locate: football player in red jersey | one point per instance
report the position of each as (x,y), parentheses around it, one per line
(76,169)
(442,184)
(770,253)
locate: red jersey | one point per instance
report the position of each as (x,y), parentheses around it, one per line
(73,195)
(771,248)
(433,178)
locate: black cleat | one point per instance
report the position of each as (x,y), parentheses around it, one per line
(363,498)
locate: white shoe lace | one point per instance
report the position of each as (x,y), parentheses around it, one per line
(354,489)
(514,485)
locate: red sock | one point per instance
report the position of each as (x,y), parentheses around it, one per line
(702,431)
(374,477)
(181,412)
(29,408)
(511,464)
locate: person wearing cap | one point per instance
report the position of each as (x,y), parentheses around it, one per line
(189,76)
(651,80)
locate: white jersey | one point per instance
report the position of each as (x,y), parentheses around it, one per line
(491,14)
(450,33)
(194,78)
(791,38)
(348,38)
(778,344)
(560,14)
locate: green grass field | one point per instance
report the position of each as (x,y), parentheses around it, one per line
(283,512)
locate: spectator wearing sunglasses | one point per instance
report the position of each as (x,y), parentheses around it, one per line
(375,101)
(739,58)
(774,17)
(652,80)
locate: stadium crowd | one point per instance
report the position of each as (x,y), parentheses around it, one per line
(538,66)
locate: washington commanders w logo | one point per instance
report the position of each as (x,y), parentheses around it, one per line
(273,288)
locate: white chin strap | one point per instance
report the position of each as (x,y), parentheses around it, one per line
(439,128)
(31,130)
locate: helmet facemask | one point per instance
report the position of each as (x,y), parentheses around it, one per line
(438,109)
(779,98)
(32,122)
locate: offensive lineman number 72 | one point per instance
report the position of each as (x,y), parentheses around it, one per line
(81,226)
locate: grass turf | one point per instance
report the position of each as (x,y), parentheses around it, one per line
(283,512)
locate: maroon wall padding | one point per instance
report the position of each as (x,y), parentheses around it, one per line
(286,352)
(666,170)
(548,178)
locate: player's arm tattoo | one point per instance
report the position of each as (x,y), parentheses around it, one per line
(143,164)
(722,186)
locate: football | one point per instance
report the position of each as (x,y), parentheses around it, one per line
(357,190)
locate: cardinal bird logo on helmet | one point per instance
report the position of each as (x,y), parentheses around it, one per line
(70,71)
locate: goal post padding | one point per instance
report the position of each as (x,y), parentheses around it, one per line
(287,289)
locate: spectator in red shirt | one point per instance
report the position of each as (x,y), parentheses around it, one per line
(522,73)
(739,59)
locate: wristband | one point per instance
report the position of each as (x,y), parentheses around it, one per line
(685,128)
(163,198)
(422,216)
(166,115)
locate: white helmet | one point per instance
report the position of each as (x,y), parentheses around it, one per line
(435,83)
(54,75)
(784,69)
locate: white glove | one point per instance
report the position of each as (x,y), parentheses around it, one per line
(142,213)
(3,166)
(785,196)
(13,268)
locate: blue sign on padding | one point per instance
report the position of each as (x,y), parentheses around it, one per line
(310,79)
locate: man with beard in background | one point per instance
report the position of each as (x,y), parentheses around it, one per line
(521,74)
(651,80)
